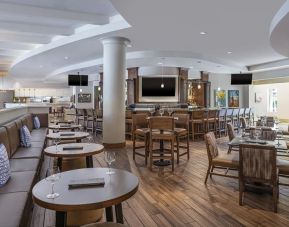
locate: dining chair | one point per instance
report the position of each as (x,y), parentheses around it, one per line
(247,116)
(182,132)
(128,123)
(270,121)
(235,118)
(140,131)
(211,121)
(283,166)
(221,122)
(162,129)
(219,160)
(231,134)
(258,165)
(268,134)
(98,120)
(90,120)
(229,117)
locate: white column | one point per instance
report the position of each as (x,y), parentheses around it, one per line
(114,66)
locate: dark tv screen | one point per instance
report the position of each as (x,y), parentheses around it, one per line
(151,86)
(242,78)
(77,80)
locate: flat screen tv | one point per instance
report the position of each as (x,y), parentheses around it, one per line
(241,78)
(77,80)
(151,86)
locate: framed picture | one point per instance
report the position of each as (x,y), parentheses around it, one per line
(220,98)
(84,98)
(233,98)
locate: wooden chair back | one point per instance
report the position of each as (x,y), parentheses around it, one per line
(247,111)
(128,114)
(99,113)
(139,121)
(229,112)
(235,112)
(257,163)
(198,114)
(231,132)
(242,112)
(182,120)
(90,112)
(243,123)
(211,144)
(270,121)
(161,123)
(268,134)
(212,114)
(222,113)
(180,111)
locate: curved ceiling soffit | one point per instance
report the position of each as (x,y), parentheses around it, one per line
(140,55)
(279,30)
(90,33)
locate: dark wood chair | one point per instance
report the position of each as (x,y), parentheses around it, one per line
(90,120)
(258,165)
(128,123)
(98,120)
(182,132)
(198,123)
(221,122)
(211,121)
(162,129)
(231,134)
(140,131)
(235,119)
(268,134)
(229,118)
(247,116)
(219,160)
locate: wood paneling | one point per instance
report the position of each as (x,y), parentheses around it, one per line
(132,85)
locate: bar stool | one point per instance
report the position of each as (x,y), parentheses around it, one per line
(235,119)
(140,131)
(231,134)
(221,122)
(241,114)
(229,118)
(198,123)
(162,129)
(211,121)
(182,132)
(90,119)
(247,116)
(128,123)
(98,121)
(80,116)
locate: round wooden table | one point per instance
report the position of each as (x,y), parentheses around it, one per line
(78,136)
(118,187)
(64,127)
(71,150)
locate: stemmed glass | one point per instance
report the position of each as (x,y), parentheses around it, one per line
(90,138)
(56,141)
(279,134)
(161,111)
(170,111)
(109,157)
(52,175)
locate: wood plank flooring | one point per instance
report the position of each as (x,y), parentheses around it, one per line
(182,198)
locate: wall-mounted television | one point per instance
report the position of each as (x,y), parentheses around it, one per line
(241,78)
(77,80)
(151,86)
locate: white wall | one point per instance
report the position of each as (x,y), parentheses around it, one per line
(261,108)
(85,89)
(224,82)
(43,92)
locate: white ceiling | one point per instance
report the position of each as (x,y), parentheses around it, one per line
(156,28)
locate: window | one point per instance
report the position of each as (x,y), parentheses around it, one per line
(272,100)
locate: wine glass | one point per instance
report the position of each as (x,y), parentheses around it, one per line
(279,134)
(109,157)
(56,141)
(52,175)
(258,134)
(152,110)
(161,111)
(170,111)
(90,138)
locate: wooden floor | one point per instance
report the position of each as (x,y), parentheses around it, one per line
(182,198)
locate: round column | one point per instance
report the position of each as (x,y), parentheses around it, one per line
(114,66)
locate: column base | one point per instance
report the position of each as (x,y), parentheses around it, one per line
(113,145)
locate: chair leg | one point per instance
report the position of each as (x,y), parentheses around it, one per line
(146,150)
(208,171)
(193,131)
(230,150)
(151,155)
(172,151)
(241,192)
(212,169)
(275,197)
(188,146)
(178,149)
(133,148)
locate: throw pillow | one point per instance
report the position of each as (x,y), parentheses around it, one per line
(36,122)
(25,136)
(4,166)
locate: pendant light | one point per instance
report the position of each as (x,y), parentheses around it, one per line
(162,84)
(80,89)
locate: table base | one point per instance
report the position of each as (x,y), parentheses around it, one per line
(162,162)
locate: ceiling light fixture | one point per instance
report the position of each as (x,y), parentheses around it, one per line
(66,57)
(199,86)
(229,52)
(203,33)
(219,89)
(162,84)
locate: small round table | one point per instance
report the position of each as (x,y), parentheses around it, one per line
(118,187)
(78,136)
(74,150)
(64,127)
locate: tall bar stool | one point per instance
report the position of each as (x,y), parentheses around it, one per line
(241,114)
(221,122)
(235,119)
(211,121)
(128,123)
(90,120)
(231,134)
(247,115)
(98,121)
(229,118)
(198,123)
(140,131)
(80,117)
(162,129)
(182,132)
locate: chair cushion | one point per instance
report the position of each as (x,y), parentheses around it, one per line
(28,152)
(36,122)
(4,139)
(12,207)
(4,166)
(20,165)
(14,137)
(25,136)
(181,131)
(283,166)
(36,144)
(19,182)
(227,160)
(142,131)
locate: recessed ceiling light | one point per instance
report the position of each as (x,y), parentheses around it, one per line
(66,57)
(229,52)
(203,33)
(160,63)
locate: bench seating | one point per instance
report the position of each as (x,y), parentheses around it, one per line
(25,164)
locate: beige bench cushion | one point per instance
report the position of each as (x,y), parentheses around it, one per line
(227,160)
